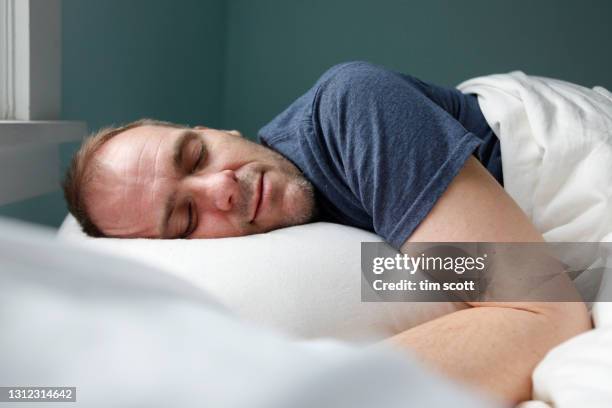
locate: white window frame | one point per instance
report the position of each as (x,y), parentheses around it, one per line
(7,90)
(31,59)
(30,99)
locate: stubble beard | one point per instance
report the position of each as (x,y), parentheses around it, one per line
(303,195)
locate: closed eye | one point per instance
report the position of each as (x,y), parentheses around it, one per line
(200,158)
(190,223)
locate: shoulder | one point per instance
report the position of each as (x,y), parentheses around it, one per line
(351,75)
(358,83)
(359,90)
(346,86)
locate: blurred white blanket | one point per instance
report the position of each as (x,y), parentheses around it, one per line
(127,335)
(556,145)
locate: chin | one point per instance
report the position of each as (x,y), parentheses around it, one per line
(298,205)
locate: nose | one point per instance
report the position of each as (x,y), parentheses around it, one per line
(217,191)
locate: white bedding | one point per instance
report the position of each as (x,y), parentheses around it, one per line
(556,146)
(127,335)
(578,372)
(556,143)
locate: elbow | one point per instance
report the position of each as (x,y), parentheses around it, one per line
(559,321)
(567,319)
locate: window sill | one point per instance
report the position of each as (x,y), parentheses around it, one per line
(30,163)
(14,133)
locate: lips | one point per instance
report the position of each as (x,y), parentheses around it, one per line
(258,194)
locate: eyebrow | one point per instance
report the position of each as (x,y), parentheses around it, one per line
(177,158)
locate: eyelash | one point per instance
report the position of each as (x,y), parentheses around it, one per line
(189,219)
(190,211)
(199,160)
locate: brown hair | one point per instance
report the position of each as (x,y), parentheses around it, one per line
(80,171)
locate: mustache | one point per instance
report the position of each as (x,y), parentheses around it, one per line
(307,212)
(246,185)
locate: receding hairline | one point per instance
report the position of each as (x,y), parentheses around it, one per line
(83,168)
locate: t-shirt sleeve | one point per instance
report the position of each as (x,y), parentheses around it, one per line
(394,147)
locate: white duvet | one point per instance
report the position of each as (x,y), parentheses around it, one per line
(556,144)
(577,373)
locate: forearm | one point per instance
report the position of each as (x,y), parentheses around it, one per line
(494,348)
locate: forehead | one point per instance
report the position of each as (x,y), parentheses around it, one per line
(137,143)
(133,174)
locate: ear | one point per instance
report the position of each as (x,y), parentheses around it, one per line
(234,132)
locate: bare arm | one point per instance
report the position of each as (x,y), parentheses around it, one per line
(493,346)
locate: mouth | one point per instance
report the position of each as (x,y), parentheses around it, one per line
(258,194)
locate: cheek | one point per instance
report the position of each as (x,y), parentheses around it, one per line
(238,151)
(215,226)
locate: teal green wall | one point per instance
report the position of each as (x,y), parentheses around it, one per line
(127,59)
(47,209)
(276,49)
(123,60)
(236,63)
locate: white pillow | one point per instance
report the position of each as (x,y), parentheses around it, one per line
(304,281)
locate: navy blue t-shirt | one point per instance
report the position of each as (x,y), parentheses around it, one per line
(381,147)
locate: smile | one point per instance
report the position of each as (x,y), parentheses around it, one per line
(258,193)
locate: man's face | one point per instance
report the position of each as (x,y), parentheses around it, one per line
(164,182)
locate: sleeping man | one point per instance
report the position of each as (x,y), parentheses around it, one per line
(365,147)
